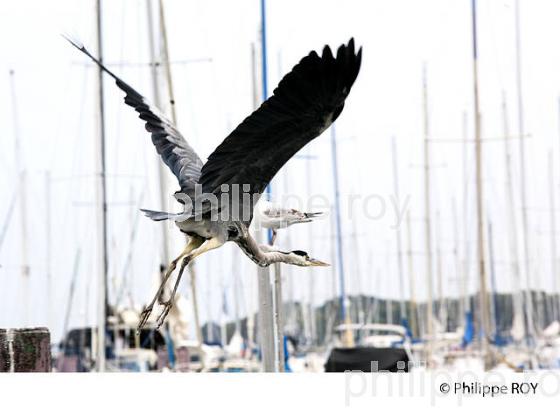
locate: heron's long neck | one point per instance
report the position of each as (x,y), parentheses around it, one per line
(262,255)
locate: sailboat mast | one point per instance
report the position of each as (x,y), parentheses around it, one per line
(466,256)
(71,291)
(360,316)
(388,300)
(483,294)
(264,85)
(461,289)
(521,131)
(236,265)
(494,291)
(310,235)
(413,306)
(441,313)
(8,218)
(157,101)
(427,221)
(553,251)
(344,311)
(556,273)
(48,247)
(165,57)
(22,177)
(512,222)
(402,310)
(250,315)
(102,291)
(269,330)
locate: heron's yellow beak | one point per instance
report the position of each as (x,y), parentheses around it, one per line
(315,262)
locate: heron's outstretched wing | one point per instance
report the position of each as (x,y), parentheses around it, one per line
(305,103)
(175,152)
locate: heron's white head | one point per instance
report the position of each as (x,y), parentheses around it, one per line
(301,258)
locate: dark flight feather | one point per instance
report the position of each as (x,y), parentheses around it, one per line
(305,103)
(175,152)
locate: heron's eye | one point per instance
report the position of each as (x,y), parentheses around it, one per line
(232,232)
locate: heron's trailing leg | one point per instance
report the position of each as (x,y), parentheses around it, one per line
(169,303)
(194,243)
(205,247)
(273,239)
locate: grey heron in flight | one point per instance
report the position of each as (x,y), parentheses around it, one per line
(305,103)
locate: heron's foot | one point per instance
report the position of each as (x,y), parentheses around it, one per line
(166,308)
(144,316)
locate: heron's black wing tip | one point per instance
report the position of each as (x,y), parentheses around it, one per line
(327,53)
(351,45)
(80,46)
(73,40)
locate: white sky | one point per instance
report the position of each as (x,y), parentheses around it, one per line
(56,100)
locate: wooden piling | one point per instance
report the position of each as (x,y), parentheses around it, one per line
(25,350)
(4,354)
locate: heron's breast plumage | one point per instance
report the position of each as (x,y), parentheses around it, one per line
(205,228)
